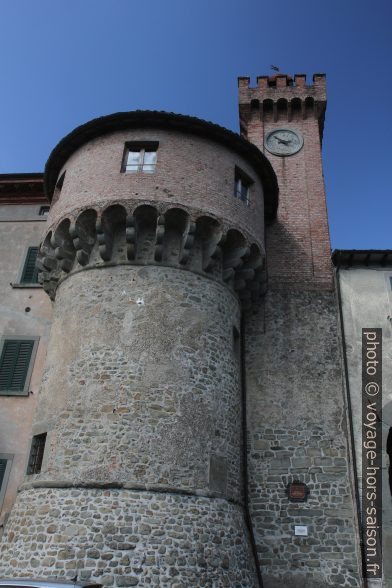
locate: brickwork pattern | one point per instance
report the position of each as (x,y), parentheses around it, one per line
(190,171)
(298,247)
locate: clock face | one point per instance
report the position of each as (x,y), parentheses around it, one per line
(283,142)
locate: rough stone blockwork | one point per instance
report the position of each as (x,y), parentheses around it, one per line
(297,432)
(150,390)
(147,398)
(128,538)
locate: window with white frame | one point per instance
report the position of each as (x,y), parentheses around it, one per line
(140,157)
(242,186)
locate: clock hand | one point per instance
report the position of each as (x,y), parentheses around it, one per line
(283,141)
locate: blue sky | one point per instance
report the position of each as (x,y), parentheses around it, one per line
(63,63)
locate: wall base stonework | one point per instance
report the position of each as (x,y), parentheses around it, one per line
(127,538)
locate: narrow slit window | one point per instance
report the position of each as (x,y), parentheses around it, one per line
(58,188)
(236,343)
(3,467)
(242,186)
(36,454)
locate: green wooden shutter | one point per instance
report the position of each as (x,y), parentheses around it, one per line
(3,465)
(30,272)
(14,365)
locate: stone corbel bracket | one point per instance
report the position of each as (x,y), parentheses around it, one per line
(146,235)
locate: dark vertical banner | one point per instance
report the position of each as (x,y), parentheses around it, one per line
(372,451)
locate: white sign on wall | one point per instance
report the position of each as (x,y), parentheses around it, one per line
(301,530)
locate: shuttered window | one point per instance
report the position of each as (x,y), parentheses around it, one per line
(30,272)
(14,365)
(3,465)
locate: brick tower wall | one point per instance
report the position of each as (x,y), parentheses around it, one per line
(298,241)
(297,427)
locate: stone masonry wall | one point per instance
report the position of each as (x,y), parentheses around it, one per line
(141,382)
(141,402)
(127,538)
(297,431)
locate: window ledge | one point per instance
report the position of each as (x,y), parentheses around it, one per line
(18,285)
(14,393)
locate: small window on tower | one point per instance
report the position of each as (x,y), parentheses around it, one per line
(242,186)
(58,188)
(36,454)
(140,157)
(44,211)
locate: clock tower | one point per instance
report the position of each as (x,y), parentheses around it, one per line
(284,117)
(297,423)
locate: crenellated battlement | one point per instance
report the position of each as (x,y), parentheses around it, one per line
(283,80)
(149,235)
(282,97)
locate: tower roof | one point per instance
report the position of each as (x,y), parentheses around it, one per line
(170,121)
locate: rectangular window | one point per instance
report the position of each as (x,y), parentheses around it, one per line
(44,210)
(36,454)
(140,157)
(242,184)
(30,271)
(15,366)
(5,468)
(58,187)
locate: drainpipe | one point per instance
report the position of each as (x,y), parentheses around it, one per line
(248,519)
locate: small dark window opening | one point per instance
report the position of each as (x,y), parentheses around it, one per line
(140,157)
(30,270)
(3,466)
(58,188)
(242,184)
(36,454)
(43,211)
(389,452)
(236,342)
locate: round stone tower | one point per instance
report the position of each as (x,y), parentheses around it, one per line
(155,243)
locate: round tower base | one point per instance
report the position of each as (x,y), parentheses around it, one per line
(121,537)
